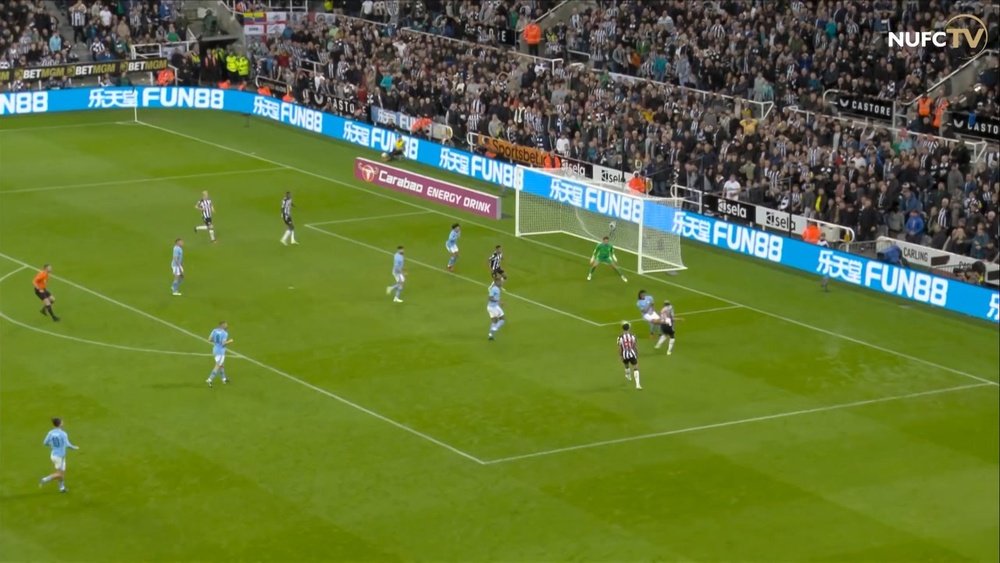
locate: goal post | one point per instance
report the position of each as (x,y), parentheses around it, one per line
(559,202)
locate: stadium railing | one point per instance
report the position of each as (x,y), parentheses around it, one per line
(269,5)
(944,86)
(965,298)
(977,149)
(940,262)
(760,110)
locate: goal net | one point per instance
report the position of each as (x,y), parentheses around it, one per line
(591,210)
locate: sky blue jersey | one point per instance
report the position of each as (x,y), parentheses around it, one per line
(453,236)
(219,337)
(58,441)
(494,294)
(397,263)
(645,304)
(178,260)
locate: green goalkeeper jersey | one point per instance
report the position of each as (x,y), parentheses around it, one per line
(604,252)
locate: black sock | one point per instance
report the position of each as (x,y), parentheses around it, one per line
(48,309)
(45,309)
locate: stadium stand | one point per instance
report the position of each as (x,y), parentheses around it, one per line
(30,36)
(34,33)
(791,158)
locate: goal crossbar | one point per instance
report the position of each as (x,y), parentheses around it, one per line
(561,202)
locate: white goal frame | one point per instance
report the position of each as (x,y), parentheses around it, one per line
(655,250)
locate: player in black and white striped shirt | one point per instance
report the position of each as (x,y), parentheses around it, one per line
(207,210)
(496,264)
(629,354)
(286,216)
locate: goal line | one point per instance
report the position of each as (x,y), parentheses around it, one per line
(561,202)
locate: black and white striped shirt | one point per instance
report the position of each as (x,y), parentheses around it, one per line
(627,346)
(782,147)
(815,153)
(205,205)
(473,121)
(286,208)
(928,143)
(77,18)
(773,176)
(496,259)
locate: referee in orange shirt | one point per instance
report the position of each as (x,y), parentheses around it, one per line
(41,290)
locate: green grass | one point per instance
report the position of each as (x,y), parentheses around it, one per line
(792,425)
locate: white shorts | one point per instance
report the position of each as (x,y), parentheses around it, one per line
(58,462)
(452,247)
(651,316)
(495,311)
(400,278)
(220,359)
(178,270)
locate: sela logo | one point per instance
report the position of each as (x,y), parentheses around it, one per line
(732,209)
(367,171)
(777,220)
(963,30)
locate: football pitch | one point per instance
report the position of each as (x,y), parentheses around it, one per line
(789,424)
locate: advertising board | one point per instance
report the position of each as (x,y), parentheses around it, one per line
(922,287)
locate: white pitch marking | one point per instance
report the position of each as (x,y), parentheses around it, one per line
(50,127)
(452,274)
(137,181)
(371,218)
(686,313)
(734,423)
(97,342)
(12,272)
(466,220)
(262,365)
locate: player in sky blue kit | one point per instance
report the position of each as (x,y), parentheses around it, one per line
(177,265)
(452,245)
(57,441)
(219,339)
(397,274)
(493,306)
(648,310)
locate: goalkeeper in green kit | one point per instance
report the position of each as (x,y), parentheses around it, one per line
(604,254)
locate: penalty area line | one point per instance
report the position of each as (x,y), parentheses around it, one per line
(568,252)
(686,314)
(26,326)
(452,274)
(264,366)
(739,422)
(140,180)
(369,218)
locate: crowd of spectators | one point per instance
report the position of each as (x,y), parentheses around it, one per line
(109,27)
(775,50)
(29,36)
(102,30)
(802,162)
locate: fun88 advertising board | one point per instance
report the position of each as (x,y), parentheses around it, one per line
(975,301)
(913,285)
(336,127)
